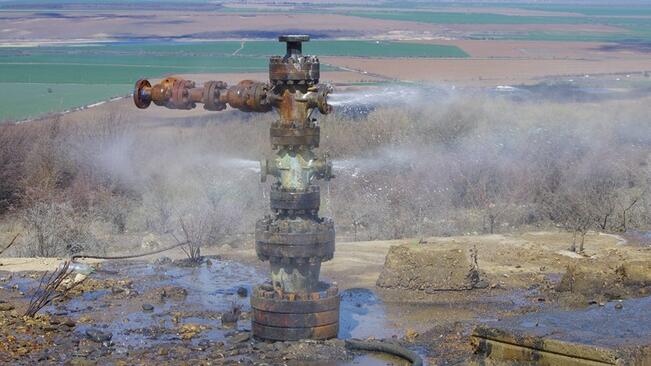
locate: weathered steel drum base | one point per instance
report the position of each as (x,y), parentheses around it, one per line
(293,316)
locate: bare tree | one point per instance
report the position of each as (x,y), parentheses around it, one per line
(629,203)
(55,229)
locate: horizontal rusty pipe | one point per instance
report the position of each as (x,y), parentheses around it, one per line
(177,93)
(247,96)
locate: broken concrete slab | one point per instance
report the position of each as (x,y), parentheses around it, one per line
(428,268)
(615,334)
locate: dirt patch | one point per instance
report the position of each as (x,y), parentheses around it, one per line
(18,264)
(429,269)
(599,279)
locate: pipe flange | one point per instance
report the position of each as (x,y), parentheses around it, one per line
(267,291)
(211,95)
(300,254)
(280,316)
(180,98)
(283,239)
(294,136)
(292,240)
(296,260)
(139,98)
(292,201)
(290,71)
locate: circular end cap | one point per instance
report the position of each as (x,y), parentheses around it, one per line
(294,38)
(138,99)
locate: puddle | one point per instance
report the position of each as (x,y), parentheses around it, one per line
(364,315)
(211,290)
(627,323)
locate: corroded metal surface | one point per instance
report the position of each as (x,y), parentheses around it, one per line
(297,168)
(294,334)
(282,135)
(298,238)
(292,316)
(296,320)
(308,200)
(303,70)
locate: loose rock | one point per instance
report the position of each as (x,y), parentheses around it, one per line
(240,337)
(97,335)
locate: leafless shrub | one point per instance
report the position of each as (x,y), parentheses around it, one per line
(198,232)
(56,229)
(51,287)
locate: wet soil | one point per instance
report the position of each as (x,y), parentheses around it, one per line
(146,313)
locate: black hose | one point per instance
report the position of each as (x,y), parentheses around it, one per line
(78,256)
(385,347)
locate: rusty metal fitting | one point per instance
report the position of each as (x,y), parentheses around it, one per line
(283,316)
(296,169)
(322,92)
(308,200)
(173,93)
(282,136)
(294,43)
(317,97)
(249,96)
(323,168)
(323,290)
(176,93)
(142,94)
(294,68)
(298,238)
(294,71)
(211,98)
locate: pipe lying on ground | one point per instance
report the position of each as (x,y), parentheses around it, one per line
(384,347)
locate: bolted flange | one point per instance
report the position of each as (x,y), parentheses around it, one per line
(283,316)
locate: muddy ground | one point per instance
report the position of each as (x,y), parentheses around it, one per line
(160,310)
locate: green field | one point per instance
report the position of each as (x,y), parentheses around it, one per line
(24,100)
(70,76)
(637,29)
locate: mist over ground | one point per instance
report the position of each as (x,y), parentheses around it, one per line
(426,163)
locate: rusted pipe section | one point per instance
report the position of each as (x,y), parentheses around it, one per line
(178,93)
(294,104)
